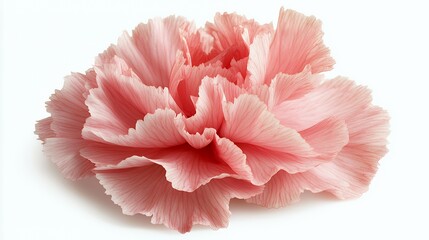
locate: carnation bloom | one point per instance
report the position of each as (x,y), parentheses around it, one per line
(175,121)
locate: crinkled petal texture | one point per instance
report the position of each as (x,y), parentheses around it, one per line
(175,121)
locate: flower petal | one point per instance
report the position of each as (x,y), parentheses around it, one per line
(67,107)
(288,87)
(208,107)
(296,44)
(338,97)
(348,175)
(145,190)
(187,80)
(248,121)
(151,51)
(64,152)
(233,34)
(258,59)
(120,101)
(43,129)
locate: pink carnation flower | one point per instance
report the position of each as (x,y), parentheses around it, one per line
(175,121)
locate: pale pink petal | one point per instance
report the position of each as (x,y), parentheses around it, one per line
(120,101)
(189,168)
(348,175)
(327,137)
(208,107)
(233,34)
(196,140)
(352,170)
(296,44)
(187,80)
(200,47)
(61,132)
(239,71)
(43,129)
(269,146)
(258,59)
(284,189)
(102,154)
(67,107)
(144,190)
(338,97)
(248,121)
(151,51)
(64,152)
(288,87)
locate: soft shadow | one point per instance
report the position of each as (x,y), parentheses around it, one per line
(307,201)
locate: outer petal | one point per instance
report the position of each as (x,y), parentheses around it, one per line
(43,129)
(288,87)
(120,101)
(258,59)
(348,175)
(297,43)
(67,107)
(338,97)
(248,121)
(270,146)
(145,190)
(64,152)
(61,132)
(151,51)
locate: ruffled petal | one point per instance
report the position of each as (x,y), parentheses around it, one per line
(145,190)
(258,59)
(120,101)
(288,87)
(64,152)
(151,51)
(248,121)
(208,107)
(269,146)
(296,44)
(186,81)
(67,107)
(43,129)
(339,97)
(233,34)
(347,175)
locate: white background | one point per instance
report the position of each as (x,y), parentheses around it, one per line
(381,44)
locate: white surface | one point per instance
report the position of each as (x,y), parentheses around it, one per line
(378,43)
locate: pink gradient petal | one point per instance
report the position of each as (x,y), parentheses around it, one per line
(350,172)
(67,107)
(233,34)
(258,59)
(43,129)
(248,121)
(338,97)
(120,101)
(102,154)
(200,47)
(284,189)
(296,44)
(144,190)
(151,51)
(208,107)
(188,79)
(327,137)
(288,87)
(64,152)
